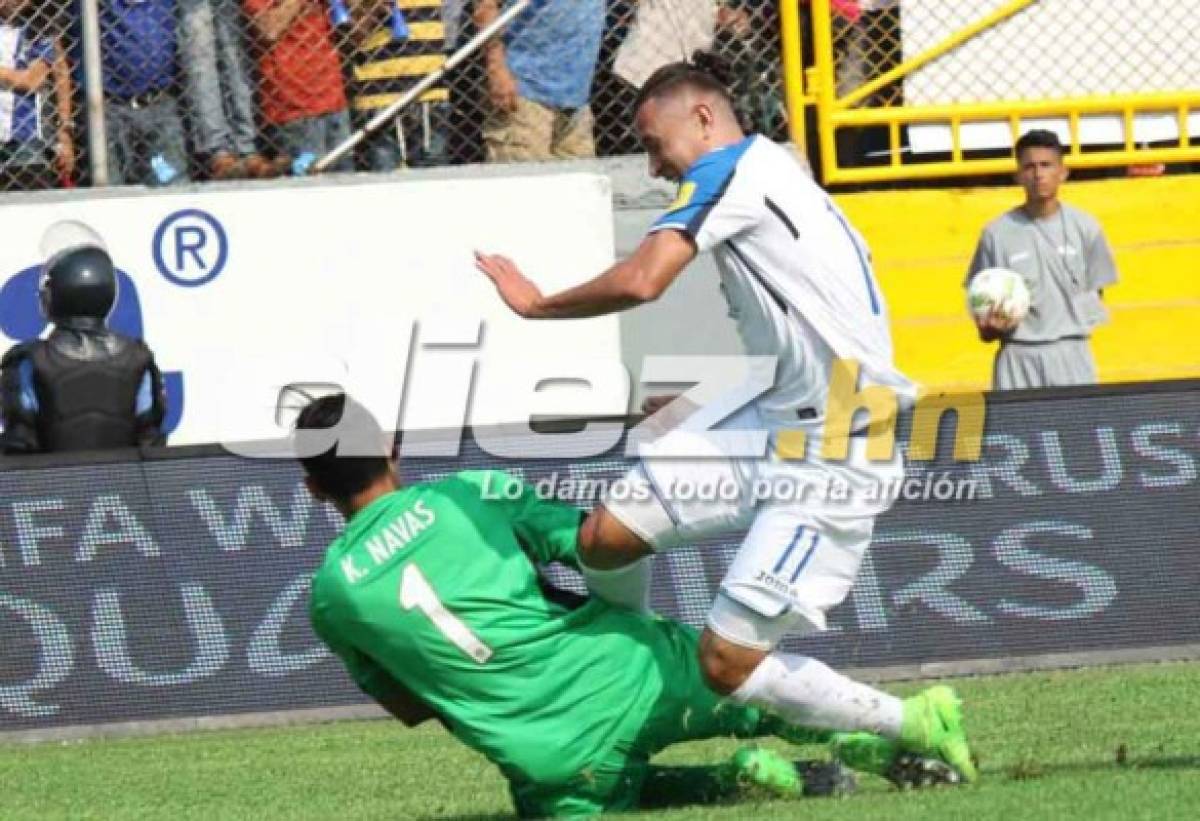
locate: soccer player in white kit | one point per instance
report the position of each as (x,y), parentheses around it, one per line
(798,280)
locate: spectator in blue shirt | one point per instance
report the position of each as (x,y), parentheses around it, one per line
(145,131)
(539,77)
(26,60)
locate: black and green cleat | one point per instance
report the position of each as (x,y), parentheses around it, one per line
(870,753)
(757,768)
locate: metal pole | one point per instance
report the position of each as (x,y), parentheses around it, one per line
(793,72)
(428,81)
(826,73)
(94,88)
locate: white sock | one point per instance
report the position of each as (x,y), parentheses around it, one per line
(804,691)
(627,586)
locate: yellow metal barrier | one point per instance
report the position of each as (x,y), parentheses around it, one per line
(793,72)
(855,64)
(922,240)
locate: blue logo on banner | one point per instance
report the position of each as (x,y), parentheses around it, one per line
(190,248)
(21,319)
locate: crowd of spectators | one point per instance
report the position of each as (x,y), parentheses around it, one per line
(34,71)
(228,89)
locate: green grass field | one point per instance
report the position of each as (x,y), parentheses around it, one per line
(1118,743)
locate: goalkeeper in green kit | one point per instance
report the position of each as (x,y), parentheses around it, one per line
(432,599)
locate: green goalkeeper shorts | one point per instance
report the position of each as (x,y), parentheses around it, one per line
(684,710)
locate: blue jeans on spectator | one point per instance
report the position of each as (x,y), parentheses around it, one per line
(313,135)
(26,166)
(214,70)
(145,141)
(423,126)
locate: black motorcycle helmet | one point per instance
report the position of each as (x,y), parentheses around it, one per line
(78,279)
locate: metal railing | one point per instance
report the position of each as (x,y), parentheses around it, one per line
(911,89)
(156,92)
(98,92)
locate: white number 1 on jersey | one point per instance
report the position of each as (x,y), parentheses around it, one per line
(416,592)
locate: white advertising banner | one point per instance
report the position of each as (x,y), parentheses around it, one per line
(369,286)
(1052,50)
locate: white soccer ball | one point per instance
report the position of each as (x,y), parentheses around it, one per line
(999,290)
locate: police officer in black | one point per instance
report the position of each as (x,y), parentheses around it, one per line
(84,387)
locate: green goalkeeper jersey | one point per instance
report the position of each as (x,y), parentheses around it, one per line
(435,586)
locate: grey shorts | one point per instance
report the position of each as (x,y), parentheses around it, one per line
(1044,365)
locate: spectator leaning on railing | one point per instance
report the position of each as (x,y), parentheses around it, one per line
(219,95)
(26,62)
(539,80)
(667,31)
(144,129)
(661,32)
(300,74)
(395,45)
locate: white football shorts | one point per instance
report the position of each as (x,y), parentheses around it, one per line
(809,521)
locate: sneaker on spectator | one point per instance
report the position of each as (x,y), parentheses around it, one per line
(225,166)
(259,167)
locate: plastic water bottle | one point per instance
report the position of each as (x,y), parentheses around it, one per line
(303,163)
(339,15)
(164,172)
(399,24)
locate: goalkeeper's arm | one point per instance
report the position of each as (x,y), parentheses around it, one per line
(399,701)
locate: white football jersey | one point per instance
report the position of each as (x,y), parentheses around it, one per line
(796,275)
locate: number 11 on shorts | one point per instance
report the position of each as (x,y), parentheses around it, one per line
(416,592)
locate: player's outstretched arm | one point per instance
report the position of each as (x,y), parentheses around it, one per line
(643,277)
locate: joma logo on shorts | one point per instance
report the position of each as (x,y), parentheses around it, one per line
(773,582)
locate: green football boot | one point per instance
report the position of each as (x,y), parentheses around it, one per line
(870,753)
(755,767)
(932,726)
(758,768)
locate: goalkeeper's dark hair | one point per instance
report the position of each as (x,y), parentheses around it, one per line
(704,72)
(341,477)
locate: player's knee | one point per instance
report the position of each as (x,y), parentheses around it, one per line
(589,536)
(606,544)
(726,665)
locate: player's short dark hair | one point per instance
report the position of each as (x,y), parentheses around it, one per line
(1040,138)
(341,477)
(704,72)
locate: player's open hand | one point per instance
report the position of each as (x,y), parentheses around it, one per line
(514,287)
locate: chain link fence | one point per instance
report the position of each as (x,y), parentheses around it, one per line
(39,100)
(894,54)
(228,89)
(1041,49)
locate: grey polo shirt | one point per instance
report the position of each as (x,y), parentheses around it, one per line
(1064,259)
